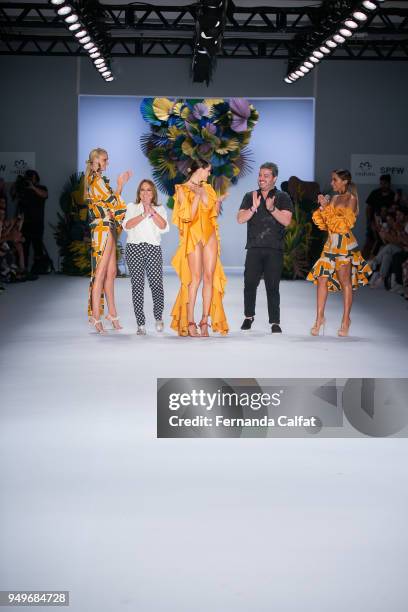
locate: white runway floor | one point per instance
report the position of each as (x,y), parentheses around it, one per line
(93,503)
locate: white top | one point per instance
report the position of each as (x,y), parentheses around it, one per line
(146,230)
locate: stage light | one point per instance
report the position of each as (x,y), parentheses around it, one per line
(331,44)
(74,26)
(299,73)
(288,80)
(106,73)
(71,18)
(84,40)
(81,33)
(345,32)
(314,59)
(64,10)
(99,61)
(309,65)
(371,6)
(88,46)
(318,54)
(360,16)
(350,23)
(57,2)
(95,55)
(93,49)
(324,49)
(304,69)
(339,39)
(109,79)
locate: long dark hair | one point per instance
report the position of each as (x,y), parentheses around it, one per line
(345,175)
(195,165)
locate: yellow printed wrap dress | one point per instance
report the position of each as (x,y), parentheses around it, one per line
(102,201)
(191,232)
(340,248)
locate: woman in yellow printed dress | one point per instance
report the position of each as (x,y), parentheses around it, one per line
(340,266)
(195,213)
(106,210)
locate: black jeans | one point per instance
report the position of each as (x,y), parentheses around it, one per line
(268,262)
(33,235)
(396,265)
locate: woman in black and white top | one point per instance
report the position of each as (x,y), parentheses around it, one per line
(145,221)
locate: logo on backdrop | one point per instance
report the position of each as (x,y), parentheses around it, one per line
(367,169)
(15,164)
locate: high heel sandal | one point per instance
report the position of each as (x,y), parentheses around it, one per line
(113,320)
(344,330)
(315,330)
(195,335)
(95,322)
(204,325)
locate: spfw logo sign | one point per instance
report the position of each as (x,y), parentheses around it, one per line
(15,164)
(367,169)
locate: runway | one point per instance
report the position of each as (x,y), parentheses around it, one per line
(93,503)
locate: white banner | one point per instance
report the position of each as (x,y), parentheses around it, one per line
(367,169)
(13,164)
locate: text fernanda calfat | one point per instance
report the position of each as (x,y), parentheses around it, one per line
(221,421)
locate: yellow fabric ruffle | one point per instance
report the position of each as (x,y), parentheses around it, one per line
(336,219)
(191,232)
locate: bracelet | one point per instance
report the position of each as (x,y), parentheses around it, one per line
(253,209)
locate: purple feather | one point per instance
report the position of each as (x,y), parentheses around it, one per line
(240,113)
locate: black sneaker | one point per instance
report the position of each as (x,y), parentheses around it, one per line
(276,329)
(247,323)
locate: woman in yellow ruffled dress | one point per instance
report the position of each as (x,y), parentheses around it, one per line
(341,266)
(197,258)
(106,210)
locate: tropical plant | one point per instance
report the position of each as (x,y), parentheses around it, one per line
(184,130)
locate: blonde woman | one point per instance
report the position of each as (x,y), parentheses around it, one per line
(145,222)
(106,210)
(340,266)
(195,213)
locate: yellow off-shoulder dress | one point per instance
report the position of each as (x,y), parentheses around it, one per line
(191,232)
(340,248)
(101,201)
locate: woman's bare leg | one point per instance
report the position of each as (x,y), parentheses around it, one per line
(109,286)
(100,275)
(210,252)
(195,262)
(344,274)
(322,292)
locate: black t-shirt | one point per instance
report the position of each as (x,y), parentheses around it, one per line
(377,199)
(263,230)
(32,205)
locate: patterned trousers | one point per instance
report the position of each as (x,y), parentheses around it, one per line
(146,259)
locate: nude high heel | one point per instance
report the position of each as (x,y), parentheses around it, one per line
(113,320)
(344,330)
(315,330)
(204,325)
(193,325)
(95,322)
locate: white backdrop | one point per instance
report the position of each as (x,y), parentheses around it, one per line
(285,134)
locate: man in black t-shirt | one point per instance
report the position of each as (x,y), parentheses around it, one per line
(266,212)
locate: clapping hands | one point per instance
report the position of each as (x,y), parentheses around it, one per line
(123,178)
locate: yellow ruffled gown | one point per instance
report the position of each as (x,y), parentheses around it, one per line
(340,248)
(191,231)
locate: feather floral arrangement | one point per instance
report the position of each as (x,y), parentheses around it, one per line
(184,130)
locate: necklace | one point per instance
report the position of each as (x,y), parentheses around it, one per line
(196,184)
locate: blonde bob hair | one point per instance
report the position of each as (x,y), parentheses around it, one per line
(89,171)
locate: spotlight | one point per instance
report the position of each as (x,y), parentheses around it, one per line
(314,59)
(84,40)
(324,49)
(371,6)
(339,39)
(93,49)
(299,73)
(74,26)
(304,69)
(109,78)
(99,61)
(106,73)
(331,44)
(57,2)
(88,46)
(360,16)
(81,33)
(309,65)
(64,10)
(350,23)
(71,18)
(288,80)
(95,55)
(345,32)
(318,54)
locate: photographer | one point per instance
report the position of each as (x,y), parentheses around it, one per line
(31,198)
